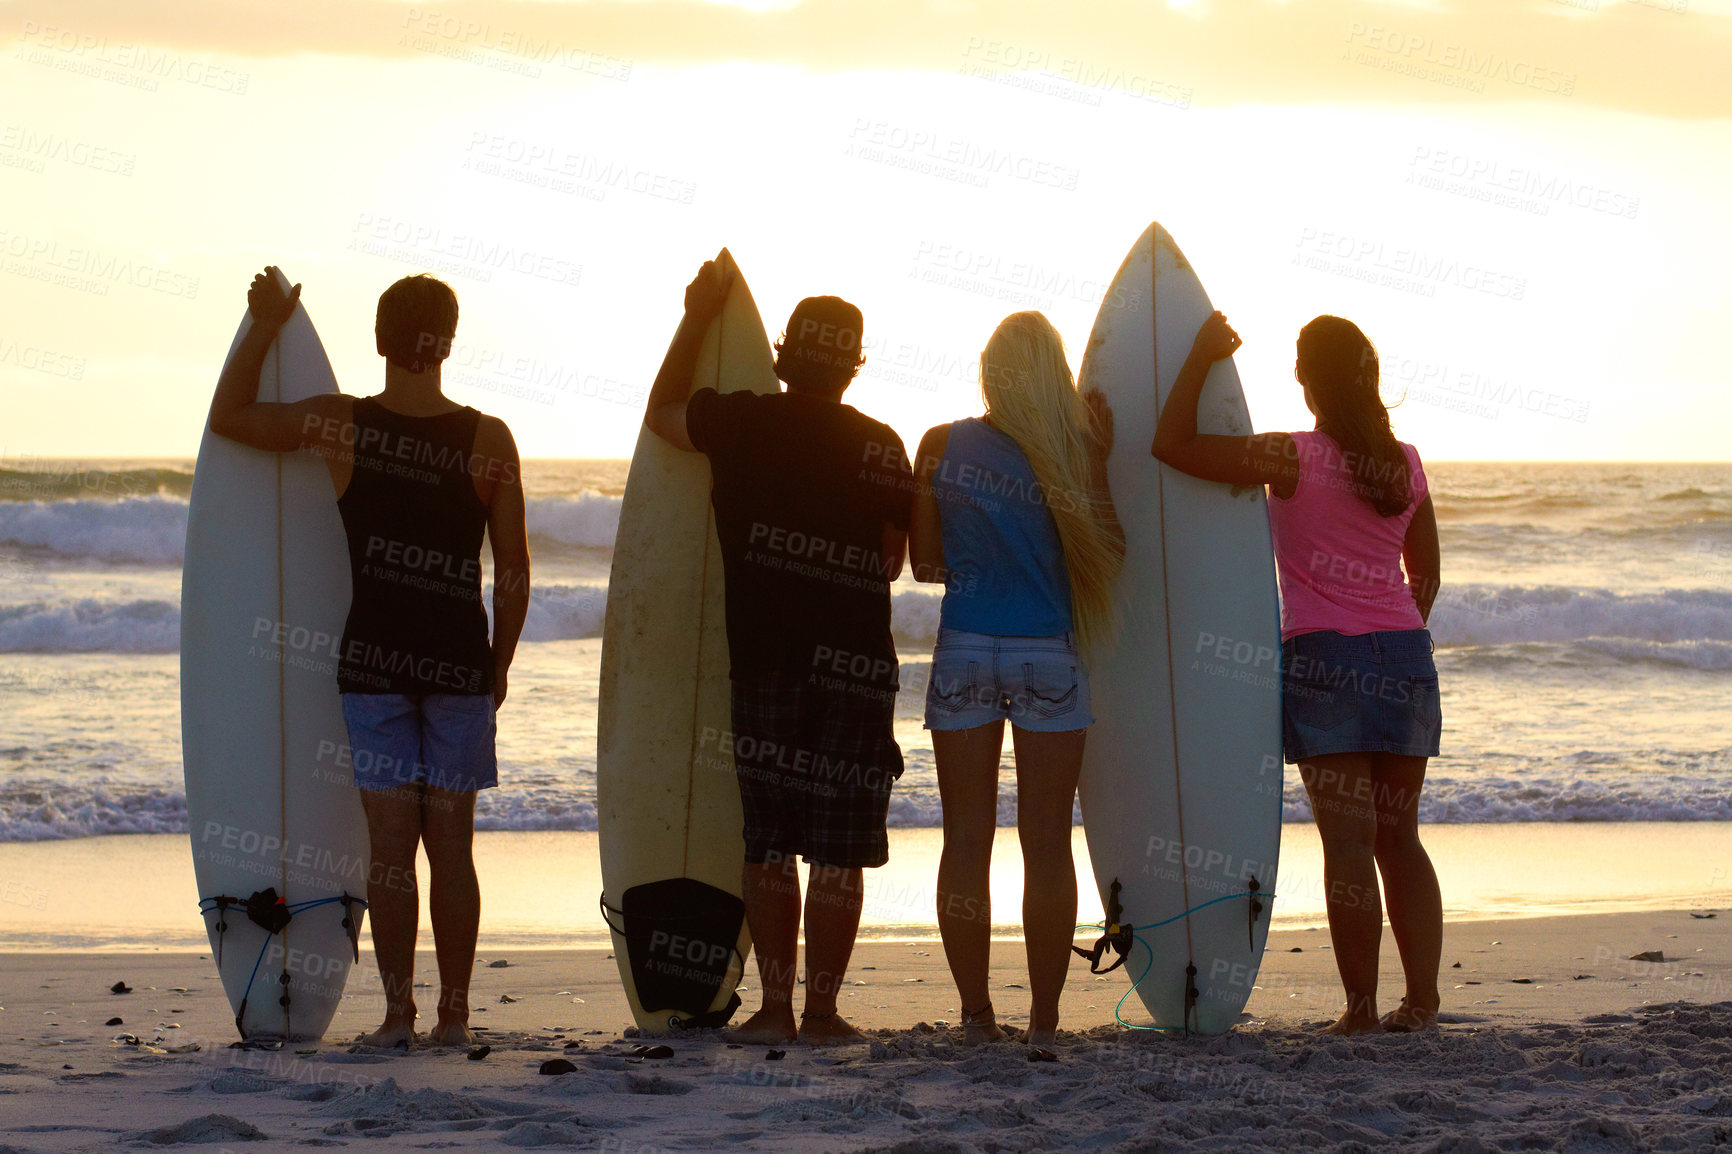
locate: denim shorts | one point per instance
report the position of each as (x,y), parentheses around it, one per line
(1037,683)
(1369,693)
(444,740)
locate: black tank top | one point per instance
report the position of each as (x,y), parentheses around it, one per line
(416,625)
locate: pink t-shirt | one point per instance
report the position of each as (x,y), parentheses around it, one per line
(1340,563)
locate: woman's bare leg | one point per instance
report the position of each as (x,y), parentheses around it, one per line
(1341,787)
(1047,767)
(967,761)
(1410,887)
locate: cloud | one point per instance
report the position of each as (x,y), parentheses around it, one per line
(1657,57)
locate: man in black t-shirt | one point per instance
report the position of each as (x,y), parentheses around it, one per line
(812,501)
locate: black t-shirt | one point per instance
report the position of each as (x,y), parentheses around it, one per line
(802,489)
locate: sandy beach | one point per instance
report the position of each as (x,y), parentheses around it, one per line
(1553,1038)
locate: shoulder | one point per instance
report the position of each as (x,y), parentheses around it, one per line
(1416,467)
(493,436)
(336,405)
(931,451)
(487,425)
(708,400)
(700,404)
(871,429)
(936,438)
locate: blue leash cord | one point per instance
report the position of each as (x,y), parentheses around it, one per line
(1118,1014)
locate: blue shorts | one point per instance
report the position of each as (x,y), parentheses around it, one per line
(1037,683)
(1370,693)
(444,740)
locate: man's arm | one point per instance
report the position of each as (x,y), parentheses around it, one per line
(666,413)
(235,410)
(507,528)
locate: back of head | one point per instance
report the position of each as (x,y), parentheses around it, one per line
(1339,367)
(416,322)
(1032,397)
(821,348)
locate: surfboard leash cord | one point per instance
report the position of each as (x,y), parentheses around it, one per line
(1138,939)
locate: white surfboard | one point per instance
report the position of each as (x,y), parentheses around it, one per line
(269,795)
(671,829)
(1181,780)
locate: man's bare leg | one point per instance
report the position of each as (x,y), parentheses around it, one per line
(833,900)
(394,904)
(772,892)
(448,833)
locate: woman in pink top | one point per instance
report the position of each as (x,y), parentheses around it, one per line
(1356,548)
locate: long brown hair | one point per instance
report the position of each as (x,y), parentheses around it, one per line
(1339,366)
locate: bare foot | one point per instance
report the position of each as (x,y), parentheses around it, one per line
(395,1032)
(828,1030)
(765,1028)
(1350,1023)
(1408,1018)
(1040,1039)
(980,1027)
(453,1032)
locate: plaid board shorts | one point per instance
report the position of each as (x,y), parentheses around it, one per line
(815,767)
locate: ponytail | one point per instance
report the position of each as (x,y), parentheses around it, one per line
(1339,366)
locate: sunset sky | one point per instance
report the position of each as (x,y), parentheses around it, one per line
(1522,202)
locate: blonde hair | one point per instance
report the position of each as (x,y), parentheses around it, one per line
(1031,396)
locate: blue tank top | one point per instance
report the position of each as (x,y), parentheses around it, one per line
(1001,546)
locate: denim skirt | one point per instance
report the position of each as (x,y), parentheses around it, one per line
(1368,693)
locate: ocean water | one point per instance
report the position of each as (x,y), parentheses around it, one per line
(1584,647)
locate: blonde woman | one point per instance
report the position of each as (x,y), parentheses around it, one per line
(1013,517)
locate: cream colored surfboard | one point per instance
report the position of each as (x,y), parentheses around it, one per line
(669,805)
(1181,781)
(269,793)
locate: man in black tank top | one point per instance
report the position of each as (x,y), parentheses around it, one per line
(419,480)
(812,500)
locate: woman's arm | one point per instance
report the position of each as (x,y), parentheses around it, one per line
(925,531)
(1264,459)
(1421,555)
